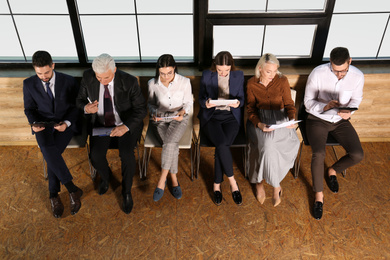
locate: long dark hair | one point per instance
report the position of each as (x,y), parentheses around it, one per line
(165,60)
(223,58)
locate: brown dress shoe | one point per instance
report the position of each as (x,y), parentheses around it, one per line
(75,202)
(57,207)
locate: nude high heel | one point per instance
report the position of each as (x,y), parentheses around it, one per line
(277,201)
(260,198)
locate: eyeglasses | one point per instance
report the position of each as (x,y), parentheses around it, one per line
(167,74)
(342,72)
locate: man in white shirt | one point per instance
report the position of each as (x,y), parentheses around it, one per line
(332,91)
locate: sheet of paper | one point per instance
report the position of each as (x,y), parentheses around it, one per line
(102,131)
(223,102)
(285,124)
(166,117)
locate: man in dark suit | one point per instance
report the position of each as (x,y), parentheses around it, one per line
(112,98)
(50,107)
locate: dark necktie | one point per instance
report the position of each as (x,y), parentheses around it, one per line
(50,95)
(109,118)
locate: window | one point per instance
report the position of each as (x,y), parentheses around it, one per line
(194,31)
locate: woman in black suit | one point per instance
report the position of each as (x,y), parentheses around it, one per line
(222,123)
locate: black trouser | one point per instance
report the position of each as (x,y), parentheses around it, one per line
(343,131)
(126,144)
(52,144)
(222,129)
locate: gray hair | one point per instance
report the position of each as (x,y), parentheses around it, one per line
(103,63)
(266,58)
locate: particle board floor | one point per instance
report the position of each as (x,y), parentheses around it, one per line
(355,225)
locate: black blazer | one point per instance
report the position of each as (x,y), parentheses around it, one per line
(209,89)
(128,99)
(37,105)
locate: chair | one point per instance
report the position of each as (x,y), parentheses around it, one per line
(151,141)
(239,142)
(331,141)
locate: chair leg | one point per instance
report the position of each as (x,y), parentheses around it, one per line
(192,166)
(298,161)
(139,164)
(92,170)
(146,160)
(344,173)
(197,157)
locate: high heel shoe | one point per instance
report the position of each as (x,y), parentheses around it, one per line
(237,196)
(260,198)
(277,201)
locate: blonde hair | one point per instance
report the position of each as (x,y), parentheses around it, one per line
(266,58)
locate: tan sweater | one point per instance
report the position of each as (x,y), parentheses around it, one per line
(275,96)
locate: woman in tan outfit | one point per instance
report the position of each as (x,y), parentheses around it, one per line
(271,152)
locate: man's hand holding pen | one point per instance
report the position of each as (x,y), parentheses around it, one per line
(91,107)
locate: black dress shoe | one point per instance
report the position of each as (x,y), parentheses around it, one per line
(103,187)
(127,203)
(217,197)
(56,206)
(333,184)
(237,196)
(75,202)
(317,209)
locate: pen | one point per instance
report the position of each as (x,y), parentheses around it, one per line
(90,102)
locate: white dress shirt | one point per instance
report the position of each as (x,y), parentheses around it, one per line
(177,96)
(323,86)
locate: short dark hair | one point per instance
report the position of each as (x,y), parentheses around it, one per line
(339,56)
(41,59)
(165,60)
(223,58)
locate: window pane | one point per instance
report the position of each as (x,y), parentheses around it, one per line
(360,33)
(246,47)
(39,6)
(105,7)
(167,6)
(289,40)
(9,46)
(173,35)
(347,6)
(3,7)
(234,6)
(115,35)
(293,6)
(55,36)
(385,48)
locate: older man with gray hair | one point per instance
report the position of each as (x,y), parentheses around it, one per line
(112,99)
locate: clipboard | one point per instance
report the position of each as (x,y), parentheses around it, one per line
(348,108)
(223,102)
(44,124)
(102,131)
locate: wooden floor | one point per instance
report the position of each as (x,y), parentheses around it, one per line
(355,225)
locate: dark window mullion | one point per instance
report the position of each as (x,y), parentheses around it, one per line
(136,24)
(77,32)
(16,30)
(383,36)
